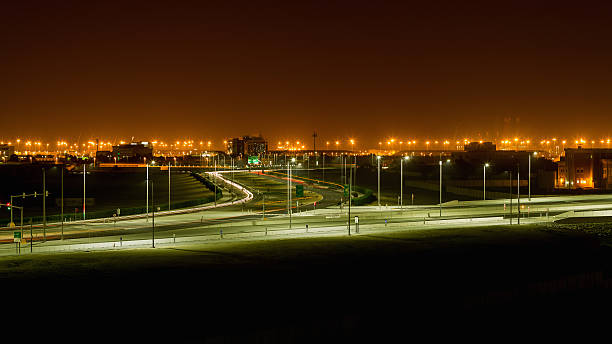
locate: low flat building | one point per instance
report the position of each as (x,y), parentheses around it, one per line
(582,168)
(133,151)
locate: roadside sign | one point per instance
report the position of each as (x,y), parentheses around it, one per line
(346,190)
(118,211)
(356,219)
(16,236)
(253,160)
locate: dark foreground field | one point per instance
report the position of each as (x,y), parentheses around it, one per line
(481,283)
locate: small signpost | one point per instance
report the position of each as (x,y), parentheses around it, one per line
(356,224)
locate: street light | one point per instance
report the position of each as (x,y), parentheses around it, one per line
(484,181)
(289,190)
(147,184)
(378,159)
(534,154)
(447,161)
(402,181)
(440,188)
(84,174)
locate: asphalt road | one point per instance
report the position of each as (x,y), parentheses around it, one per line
(239,219)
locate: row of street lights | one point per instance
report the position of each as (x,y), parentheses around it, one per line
(484,168)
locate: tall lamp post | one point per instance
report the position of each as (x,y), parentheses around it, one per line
(534,154)
(84,174)
(447,161)
(289,189)
(378,159)
(147,184)
(518,196)
(440,163)
(62,200)
(153,214)
(402,181)
(484,181)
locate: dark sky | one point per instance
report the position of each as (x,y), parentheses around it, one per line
(211,69)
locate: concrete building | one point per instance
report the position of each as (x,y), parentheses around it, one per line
(133,151)
(480,147)
(6,151)
(585,168)
(247,146)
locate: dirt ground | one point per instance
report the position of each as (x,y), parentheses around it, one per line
(365,288)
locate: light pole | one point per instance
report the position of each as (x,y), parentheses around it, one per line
(349,208)
(62,205)
(510,173)
(147,184)
(289,189)
(378,159)
(153,214)
(44,206)
(534,154)
(440,188)
(484,181)
(402,181)
(518,196)
(168,186)
(323,157)
(84,174)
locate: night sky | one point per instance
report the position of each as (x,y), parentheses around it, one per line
(214,69)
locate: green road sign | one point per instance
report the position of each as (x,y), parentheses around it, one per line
(253,160)
(299,190)
(346,190)
(16,236)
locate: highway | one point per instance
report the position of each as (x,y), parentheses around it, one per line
(239,216)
